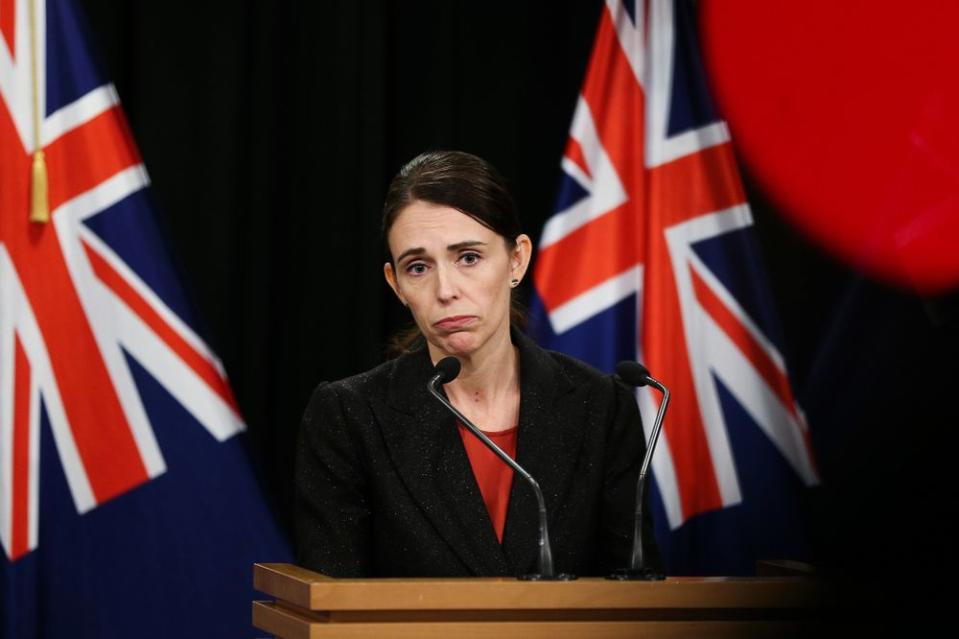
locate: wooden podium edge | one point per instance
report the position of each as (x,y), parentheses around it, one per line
(312,591)
(290,623)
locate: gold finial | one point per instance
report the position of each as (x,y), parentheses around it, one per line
(39,207)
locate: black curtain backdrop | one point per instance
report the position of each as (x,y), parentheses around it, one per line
(271,130)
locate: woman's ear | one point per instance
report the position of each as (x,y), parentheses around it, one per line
(390,276)
(521,254)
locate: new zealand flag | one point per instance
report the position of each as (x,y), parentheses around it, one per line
(651,256)
(127,504)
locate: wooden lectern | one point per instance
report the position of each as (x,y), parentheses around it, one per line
(311,605)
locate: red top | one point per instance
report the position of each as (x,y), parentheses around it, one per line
(492,475)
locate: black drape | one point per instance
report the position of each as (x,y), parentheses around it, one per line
(270,131)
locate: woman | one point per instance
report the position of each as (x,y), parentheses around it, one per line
(389,485)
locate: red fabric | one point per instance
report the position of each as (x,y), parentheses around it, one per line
(492,475)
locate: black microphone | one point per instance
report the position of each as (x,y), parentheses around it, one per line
(445,372)
(635,374)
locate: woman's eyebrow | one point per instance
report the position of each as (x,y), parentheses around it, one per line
(418,250)
(462,245)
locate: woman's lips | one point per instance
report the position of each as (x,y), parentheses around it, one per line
(454,322)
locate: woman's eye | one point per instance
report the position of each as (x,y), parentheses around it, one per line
(470,258)
(416,268)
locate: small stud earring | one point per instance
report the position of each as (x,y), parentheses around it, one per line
(513,283)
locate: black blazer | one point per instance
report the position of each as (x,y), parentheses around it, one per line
(384,486)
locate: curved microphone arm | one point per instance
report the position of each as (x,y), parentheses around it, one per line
(545,550)
(637,562)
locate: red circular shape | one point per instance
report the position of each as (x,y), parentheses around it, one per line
(847,114)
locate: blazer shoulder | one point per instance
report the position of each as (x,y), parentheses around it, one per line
(371,383)
(579,373)
(343,410)
(393,383)
(603,389)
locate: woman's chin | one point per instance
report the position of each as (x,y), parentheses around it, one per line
(461,343)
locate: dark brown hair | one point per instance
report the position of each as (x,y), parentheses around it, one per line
(462,181)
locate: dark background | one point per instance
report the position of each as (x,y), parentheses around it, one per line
(271,130)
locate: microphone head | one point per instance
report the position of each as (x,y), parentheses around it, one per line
(446,370)
(633,373)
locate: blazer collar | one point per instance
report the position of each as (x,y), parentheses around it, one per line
(551,417)
(425,446)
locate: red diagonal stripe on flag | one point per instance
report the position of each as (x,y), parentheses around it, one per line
(774,377)
(200,365)
(744,341)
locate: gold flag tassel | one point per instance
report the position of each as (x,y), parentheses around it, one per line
(39,204)
(39,207)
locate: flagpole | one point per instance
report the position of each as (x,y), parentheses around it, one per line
(39,204)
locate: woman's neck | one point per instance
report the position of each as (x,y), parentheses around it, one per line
(487,388)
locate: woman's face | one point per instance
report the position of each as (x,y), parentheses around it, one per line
(454,274)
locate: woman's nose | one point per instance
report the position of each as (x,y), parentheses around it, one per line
(446,287)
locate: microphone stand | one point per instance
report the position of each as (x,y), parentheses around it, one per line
(637,569)
(546,571)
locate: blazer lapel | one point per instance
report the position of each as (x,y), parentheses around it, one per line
(430,459)
(551,415)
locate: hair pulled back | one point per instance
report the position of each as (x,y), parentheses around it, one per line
(462,181)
